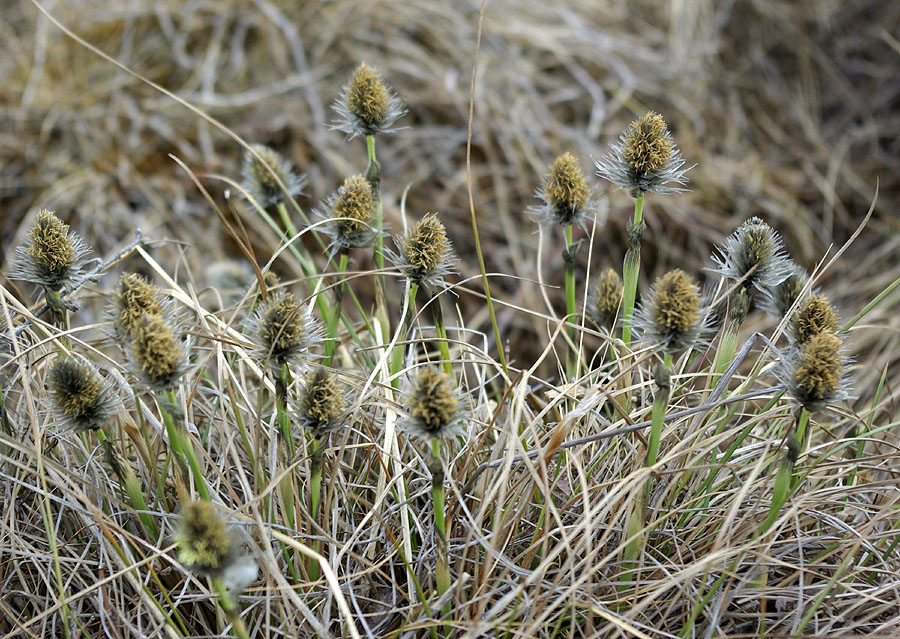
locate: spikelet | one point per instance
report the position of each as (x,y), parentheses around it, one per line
(816,315)
(52,256)
(259,176)
(349,215)
(432,407)
(283,332)
(424,255)
(753,253)
(565,195)
(814,372)
(366,105)
(80,398)
(322,406)
(155,356)
(670,319)
(605,299)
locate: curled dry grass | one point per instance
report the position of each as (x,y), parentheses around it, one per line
(788,107)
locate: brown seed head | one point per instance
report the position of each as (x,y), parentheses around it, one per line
(675,305)
(647,147)
(282,325)
(204,544)
(607,297)
(155,351)
(432,402)
(426,245)
(322,403)
(565,185)
(817,376)
(50,244)
(133,298)
(367,96)
(816,315)
(355,201)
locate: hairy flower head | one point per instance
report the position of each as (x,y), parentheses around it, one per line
(779,299)
(260,172)
(133,298)
(814,372)
(155,356)
(350,214)
(816,315)
(52,256)
(432,407)
(753,253)
(671,318)
(322,401)
(645,158)
(283,331)
(605,299)
(366,105)
(565,194)
(80,398)
(205,544)
(425,254)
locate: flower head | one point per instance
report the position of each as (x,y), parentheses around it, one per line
(260,175)
(205,544)
(322,401)
(779,299)
(283,331)
(350,214)
(671,318)
(133,298)
(605,299)
(816,315)
(432,407)
(753,253)
(565,194)
(645,158)
(814,372)
(81,399)
(52,256)
(425,254)
(155,356)
(367,106)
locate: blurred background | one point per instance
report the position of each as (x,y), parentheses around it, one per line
(789,108)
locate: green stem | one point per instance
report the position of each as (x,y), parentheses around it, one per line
(569,259)
(868,307)
(232,610)
(783,482)
(403,331)
(660,402)
(441,331)
(184,444)
(335,316)
(442,567)
(373,175)
(315,496)
(630,271)
(130,483)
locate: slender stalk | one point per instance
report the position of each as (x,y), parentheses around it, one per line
(660,402)
(335,316)
(315,493)
(442,567)
(232,610)
(783,481)
(373,175)
(130,483)
(631,269)
(397,355)
(441,330)
(569,259)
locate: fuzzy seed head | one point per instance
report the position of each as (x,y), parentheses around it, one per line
(606,298)
(260,176)
(367,106)
(425,253)
(671,317)
(156,357)
(81,399)
(645,158)
(432,405)
(133,298)
(322,403)
(816,315)
(283,331)
(52,256)
(366,95)
(817,376)
(204,543)
(647,145)
(349,215)
(753,253)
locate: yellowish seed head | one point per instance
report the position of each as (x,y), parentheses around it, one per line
(367,96)
(565,185)
(323,400)
(816,315)
(607,296)
(203,541)
(817,376)
(647,147)
(356,201)
(426,245)
(675,305)
(155,350)
(432,401)
(133,298)
(50,243)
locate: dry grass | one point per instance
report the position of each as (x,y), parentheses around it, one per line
(791,111)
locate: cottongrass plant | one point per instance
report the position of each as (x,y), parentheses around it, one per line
(719,500)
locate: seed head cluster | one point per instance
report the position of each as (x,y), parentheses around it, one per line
(205,545)
(816,315)
(81,399)
(671,318)
(814,372)
(432,405)
(367,106)
(133,298)
(52,256)
(283,331)
(260,171)
(605,300)
(565,194)
(322,401)
(155,356)
(645,158)
(753,253)
(425,253)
